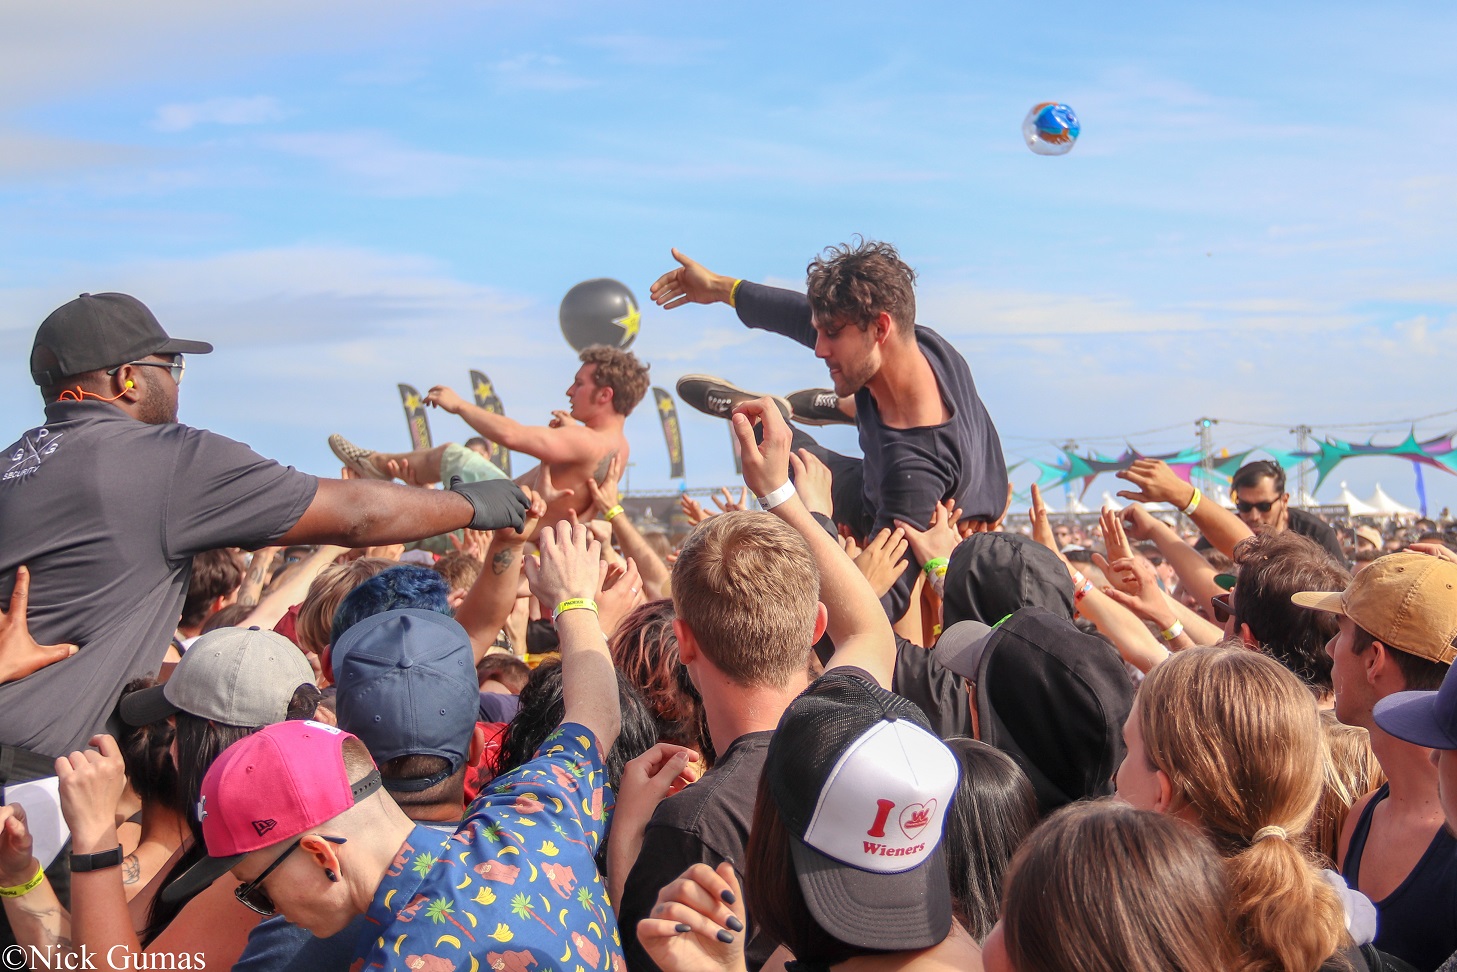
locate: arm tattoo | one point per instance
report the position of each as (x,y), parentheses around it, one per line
(131,869)
(601,473)
(502,560)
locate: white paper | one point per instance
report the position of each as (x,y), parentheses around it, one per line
(42,802)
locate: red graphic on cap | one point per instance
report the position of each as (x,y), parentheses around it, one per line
(916,817)
(264,826)
(877,829)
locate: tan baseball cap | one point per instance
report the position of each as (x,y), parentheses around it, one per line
(1406,600)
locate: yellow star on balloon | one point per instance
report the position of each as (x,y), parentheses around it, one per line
(629,322)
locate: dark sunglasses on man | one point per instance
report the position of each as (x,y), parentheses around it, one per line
(1245,507)
(177,366)
(252,893)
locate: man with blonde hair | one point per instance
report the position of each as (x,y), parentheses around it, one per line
(752,592)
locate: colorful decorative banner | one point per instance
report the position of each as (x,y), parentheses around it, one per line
(486,398)
(415,417)
(672,433)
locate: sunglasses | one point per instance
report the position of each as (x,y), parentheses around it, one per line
(1223,607)
(176,366)
(1264,507)
(252,894)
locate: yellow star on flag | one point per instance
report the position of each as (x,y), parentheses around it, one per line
(412,402)
(484,390)
(665,405)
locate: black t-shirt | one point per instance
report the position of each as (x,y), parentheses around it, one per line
(107,511)
(940,693)
(1312,526)
(907,471)
(707,823)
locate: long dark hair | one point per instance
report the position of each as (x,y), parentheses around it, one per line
(994,808)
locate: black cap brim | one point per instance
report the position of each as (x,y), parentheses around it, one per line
(146,707)
(177,346)
(199,876)
(889,912)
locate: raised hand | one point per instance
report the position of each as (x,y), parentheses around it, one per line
(17,859)
(1439,550)
(1115,541)
(692,509)
(472,543)
(20,654)
(728,504)
(91,783)
(766,464)
(548,491)
(1135,586)
(937,540)
(812,480)
(561,419)
(443,397)
(1138,522)
(1041,525)
(604,494)
(693,928)
(884,560)
(568,566)
(620,594)
(1156,483)
(689,283)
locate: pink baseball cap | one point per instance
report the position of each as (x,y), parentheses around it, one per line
(266,788)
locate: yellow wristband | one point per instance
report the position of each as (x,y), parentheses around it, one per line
(1193,502)
(612,512)
(574,604)
(734,293)
(27,887)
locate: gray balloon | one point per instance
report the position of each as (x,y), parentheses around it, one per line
(601,311)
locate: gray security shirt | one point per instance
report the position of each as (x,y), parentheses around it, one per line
(107,512)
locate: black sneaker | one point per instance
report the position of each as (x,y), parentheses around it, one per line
(818,406)
(714,396)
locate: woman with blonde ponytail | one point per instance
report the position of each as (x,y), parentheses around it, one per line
(1229,740)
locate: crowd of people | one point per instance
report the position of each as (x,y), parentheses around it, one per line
(424,716)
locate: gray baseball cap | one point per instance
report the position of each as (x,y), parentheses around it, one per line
(236,676)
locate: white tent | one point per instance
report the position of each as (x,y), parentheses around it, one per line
(1306,500)
(1355,504)
(1382,502)
(1075,505)
(1110,502)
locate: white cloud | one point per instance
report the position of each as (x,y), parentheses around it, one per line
(538,72)
(256,110)
(379,163)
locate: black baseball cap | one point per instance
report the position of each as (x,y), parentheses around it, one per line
(863,787)
(1055,700)
(97,331)
(991,575)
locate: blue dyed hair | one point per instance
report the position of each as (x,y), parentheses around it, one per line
(405,586)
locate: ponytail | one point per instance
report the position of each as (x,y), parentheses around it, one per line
(1285,914)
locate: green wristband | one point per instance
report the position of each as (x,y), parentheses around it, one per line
(935,565)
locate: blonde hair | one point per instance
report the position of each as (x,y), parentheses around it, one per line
(1238,736)
(747,587)
(316,612)
(1350,772)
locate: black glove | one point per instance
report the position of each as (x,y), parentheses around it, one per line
(498,503)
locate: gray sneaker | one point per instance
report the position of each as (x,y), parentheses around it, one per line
(817,406)
(355,458)
(714,396)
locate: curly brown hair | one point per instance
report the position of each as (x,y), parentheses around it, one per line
(621,371)
(857,282)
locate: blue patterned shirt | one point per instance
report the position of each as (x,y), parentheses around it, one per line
(516,887)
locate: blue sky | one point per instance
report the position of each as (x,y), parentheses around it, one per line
(1259,222)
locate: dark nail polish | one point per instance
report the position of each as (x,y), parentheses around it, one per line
(734,924)
(681,928)
(727,896)
(726,938)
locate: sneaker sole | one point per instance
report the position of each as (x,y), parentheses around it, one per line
(720,401)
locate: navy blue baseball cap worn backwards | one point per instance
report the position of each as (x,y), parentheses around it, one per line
(407,687)
(1424,718)
(97,331)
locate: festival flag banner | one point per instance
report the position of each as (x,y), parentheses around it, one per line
(486,398)
(415,417)
(672,433)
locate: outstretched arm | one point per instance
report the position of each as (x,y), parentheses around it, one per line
(1157,483)
(766,308)
(488,603)
(655,574)
(856,623)
(562,443)
(361,513)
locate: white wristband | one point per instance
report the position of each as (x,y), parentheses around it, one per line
(777,497)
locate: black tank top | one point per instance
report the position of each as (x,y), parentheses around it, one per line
(1418,921)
